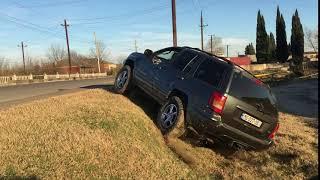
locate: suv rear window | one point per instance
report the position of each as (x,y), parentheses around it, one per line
(244,87)
(214,73)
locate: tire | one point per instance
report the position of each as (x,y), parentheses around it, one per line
(123,80)
(174,127)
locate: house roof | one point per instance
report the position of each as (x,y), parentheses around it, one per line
(244,60)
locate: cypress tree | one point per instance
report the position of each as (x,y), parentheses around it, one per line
(246,51)
(289,49)
(297,40)
(271,48)
(261,40)
(249,50)
(281,38)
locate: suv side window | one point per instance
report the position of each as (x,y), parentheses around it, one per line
(165,55)
(213,73)
(186,58)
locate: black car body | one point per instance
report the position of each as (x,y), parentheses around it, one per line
(220,99)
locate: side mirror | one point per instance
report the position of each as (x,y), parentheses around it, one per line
(148,53)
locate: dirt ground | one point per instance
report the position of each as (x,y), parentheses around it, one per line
(299,97)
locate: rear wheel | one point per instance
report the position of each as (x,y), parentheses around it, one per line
(171,120)
(123,80)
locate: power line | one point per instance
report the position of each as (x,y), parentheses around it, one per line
(68,48)
(201,29)
(24,7)
(228,50)
(97,51)
(130,14)
(65,3)
(22,48)
(38,28)
(211,43)
(174,26)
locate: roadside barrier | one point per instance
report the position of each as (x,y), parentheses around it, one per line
(14,79)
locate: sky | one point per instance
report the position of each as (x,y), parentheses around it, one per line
(119,23)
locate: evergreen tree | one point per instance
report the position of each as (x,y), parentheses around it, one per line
(246,51)
(271,48)
(249,50)
(297,40)
(281,38)
(261,40)
(252,51)
(289,49)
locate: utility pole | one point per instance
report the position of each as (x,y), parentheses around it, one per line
(24,63)
(67,38)
(135,45)
(202,26)
(174,26)
(228,50)
(97,51)
(211,43)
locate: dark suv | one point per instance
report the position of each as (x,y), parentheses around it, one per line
(204,93)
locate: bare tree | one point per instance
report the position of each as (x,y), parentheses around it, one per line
(2,64)
(312,39)
(5,68)
(56,53)
(101,49)
(120,59)
(217,46)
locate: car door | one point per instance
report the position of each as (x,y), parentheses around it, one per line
(144,74)
(164,72)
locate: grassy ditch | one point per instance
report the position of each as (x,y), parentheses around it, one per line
(98,134)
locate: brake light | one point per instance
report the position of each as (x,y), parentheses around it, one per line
(273,133)
(217,102)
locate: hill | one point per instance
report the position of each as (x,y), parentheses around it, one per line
(98,134)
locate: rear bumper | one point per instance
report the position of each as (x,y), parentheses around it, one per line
(232,135)
(213,128)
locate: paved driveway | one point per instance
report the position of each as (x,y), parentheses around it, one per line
(298,97)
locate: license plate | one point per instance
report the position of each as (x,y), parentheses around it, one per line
(251,120)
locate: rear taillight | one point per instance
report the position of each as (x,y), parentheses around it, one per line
(217,102)
(273,133)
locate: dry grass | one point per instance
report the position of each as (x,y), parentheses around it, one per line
(97,134)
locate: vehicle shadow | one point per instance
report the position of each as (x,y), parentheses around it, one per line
(151,108)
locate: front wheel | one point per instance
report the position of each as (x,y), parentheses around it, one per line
(123,80)
(171,120)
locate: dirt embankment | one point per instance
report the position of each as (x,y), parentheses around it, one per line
(97,134)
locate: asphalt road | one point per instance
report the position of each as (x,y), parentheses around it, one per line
(11,95)
(298,97)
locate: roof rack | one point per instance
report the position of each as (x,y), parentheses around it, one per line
(228,61)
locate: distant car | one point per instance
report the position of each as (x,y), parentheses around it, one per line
(204,93)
